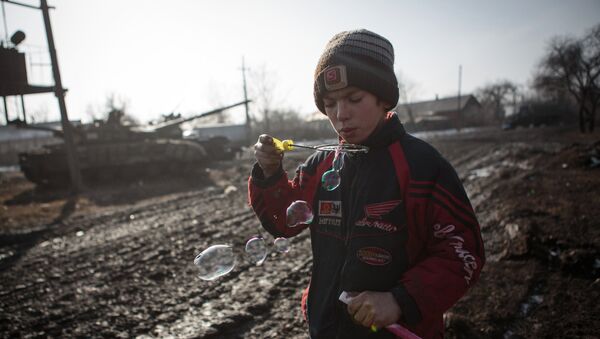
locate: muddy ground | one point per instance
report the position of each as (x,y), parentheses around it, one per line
(117,261)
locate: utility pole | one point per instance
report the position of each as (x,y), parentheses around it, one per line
(5,110)
(458,111)
(23,109)
(5,25)
(6,39)
(59,92)
(248,130)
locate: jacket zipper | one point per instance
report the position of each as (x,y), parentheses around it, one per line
(349,228)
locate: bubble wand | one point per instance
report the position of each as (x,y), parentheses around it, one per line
(289,145)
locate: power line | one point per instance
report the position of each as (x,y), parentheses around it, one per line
(5,25)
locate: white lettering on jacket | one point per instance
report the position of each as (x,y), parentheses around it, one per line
(457,242)
(382,225)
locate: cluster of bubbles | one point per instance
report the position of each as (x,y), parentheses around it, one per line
(332,179)
(218,260)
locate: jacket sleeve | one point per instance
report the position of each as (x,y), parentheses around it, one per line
(450,255)
(271,197)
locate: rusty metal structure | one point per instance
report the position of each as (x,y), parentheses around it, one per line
(111,150)
(12,67)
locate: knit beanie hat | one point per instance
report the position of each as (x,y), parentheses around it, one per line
(358,58)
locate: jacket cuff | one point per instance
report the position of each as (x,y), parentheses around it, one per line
(258,177)
(410,312)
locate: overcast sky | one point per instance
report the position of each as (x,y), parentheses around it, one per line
(186,55)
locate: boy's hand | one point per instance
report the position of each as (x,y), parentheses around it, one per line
(267,156)
(374,308)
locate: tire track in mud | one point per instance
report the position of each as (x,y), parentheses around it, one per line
(253,302)
(127,285)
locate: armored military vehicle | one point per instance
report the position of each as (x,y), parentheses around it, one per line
(111,150)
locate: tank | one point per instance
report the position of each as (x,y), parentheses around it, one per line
(111,150)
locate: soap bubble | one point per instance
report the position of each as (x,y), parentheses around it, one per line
(331,180)
(299,213)
(338,161)
(282,245)
(215,261)
(256,250)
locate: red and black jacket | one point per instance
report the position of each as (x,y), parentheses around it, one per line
(400,221)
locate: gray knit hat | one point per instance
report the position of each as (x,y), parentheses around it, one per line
(358,58)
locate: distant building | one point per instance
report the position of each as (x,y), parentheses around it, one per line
(442,113)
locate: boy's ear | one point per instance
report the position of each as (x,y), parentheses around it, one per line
(384,105)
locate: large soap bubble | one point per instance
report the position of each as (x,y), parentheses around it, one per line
(215,261)
(256,250)
(330,180)
(282,245)
(299,213)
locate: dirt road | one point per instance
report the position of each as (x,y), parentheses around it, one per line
(117,261)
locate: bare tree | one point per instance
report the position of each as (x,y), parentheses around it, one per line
(92,111)
(219,95)
(262,89)
(116,105)
(407,89)
(496,96)
(273,115)
(572,66)
(40,114)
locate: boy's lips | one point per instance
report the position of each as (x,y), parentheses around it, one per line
(347,132)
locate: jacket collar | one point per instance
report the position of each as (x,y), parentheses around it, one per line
(390,131)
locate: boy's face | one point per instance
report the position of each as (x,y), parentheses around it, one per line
(354,113)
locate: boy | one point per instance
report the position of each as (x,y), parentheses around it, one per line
(399,233)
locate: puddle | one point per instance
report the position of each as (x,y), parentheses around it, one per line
(6,169)
(6,254)
(532,302)
(481,172)
(447,132)
(527,307)
(487,171)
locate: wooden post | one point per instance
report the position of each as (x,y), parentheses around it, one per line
(5,110)
(59,92)
(248,127)
(23,109)
(458,111)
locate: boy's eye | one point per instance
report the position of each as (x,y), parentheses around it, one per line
(355,99)
(329,104)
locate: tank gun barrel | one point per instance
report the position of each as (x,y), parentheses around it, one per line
(20,124)
(171,123)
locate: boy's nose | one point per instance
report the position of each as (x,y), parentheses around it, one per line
(343,112)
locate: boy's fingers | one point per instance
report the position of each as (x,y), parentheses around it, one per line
(368,320)
(259,153)
(364,316)
(269,163)
(354,305)
(266,147)
(265,139)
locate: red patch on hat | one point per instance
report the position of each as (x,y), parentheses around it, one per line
(335,77)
